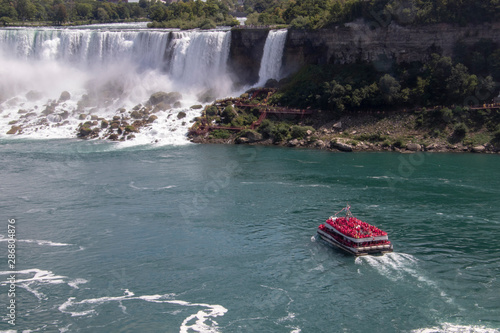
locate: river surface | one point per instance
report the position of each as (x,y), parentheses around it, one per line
(213,238)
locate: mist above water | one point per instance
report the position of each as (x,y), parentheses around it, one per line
(110,68)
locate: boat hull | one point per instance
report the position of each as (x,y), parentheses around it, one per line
(378,249)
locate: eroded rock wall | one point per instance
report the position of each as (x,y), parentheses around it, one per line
(353,42)
(356,42)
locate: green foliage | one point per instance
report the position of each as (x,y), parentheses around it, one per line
(300,132)
(446,115)
(60,15)
(219,134)
(243,120)
(477,139)
(211,111)
(399,143)
(5,20)
(59,12)
(343,88)
(228,114)
(316,14)
(191,14)
(373,137)
(207,24)
(390,89)
(460,130)
(386,143)
(280,132)
(496,137)
(266,128)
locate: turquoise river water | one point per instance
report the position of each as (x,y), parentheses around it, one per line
(209,238)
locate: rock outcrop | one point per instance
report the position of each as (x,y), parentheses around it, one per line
(245,54)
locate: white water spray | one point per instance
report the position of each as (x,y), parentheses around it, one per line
(117,68)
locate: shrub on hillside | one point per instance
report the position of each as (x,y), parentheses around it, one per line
(460,130)
(280,132)
(300,132)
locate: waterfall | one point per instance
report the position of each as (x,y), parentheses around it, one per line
(199,56)
(270,65)
(118,65)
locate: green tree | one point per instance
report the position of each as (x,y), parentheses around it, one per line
(338,96)
(61,14)
(123,11)
(7,11)
(25,9)
(389,89)
(102,14)
(5,20)
(252,19)
(144,4)
(83,10)
(157,12)
(460,84)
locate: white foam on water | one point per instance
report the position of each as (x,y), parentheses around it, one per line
(319,268)
(393,265)
(31,284)
(33,280)
(398,266)
(35,241)
(38,275)
(75,283)
(131,184)
(201,321)
(454,328)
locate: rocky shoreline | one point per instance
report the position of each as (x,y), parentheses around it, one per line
(339,145)
(394,131)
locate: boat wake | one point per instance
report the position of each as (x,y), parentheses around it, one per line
(401,266)
(394,266)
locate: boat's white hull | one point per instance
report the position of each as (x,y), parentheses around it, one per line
(358,251)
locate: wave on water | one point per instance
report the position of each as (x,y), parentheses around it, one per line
(201,321)
(453,328)
(131,184)
(35,241)
(30,279)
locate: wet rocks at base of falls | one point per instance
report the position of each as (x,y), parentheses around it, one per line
(124,125)
(14,130)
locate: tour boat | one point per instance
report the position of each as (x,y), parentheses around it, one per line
(354,236)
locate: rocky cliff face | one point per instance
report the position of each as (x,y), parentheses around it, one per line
(245,54)
(354,42)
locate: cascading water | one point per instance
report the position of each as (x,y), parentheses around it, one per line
(270,65)
(200,57)
(106,72)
